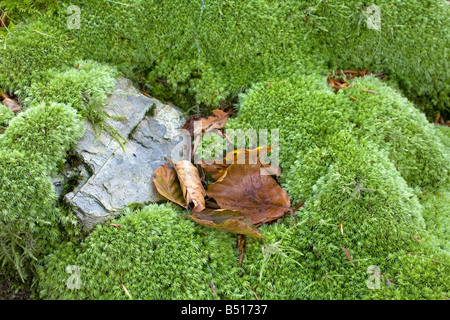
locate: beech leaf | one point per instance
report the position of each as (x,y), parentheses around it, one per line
(216,170)
(216,121)
(227,220)
(244,189)
(166,182)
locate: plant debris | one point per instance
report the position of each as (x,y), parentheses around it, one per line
(337,81)
(245,194)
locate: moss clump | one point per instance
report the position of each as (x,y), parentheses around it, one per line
(317,117)
(28,6)
(350,164)
(412,37)
(155,254)
(83,86)
(437,215)
(382,226)
(5,116)
(216,49)
(29,151)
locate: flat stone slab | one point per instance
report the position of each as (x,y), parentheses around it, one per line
(121,175)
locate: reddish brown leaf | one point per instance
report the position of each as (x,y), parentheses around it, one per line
(347,254)
(227,220)
(166,182)
(216,170)
(191,184)
(216,121)
(244,189)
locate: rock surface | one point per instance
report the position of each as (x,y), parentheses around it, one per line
(120,175)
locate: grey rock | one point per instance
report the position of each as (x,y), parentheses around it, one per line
(123,174)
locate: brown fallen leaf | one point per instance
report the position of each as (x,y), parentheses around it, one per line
(191,185)
(216,121)
(347,254)
(167,183)
(10,102)
(216,170)
(339,83)
(227,220)
(271,169)
(244,189)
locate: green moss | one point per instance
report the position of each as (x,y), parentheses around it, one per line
(310,140)
(5,116)
(353,168)
(143,254)
(351,160)
(412,37)
(217,49)
(29,151)
(44,133)
(28,6)
(437,215)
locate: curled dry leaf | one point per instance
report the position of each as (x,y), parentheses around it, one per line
(244,189)
(166,182)
(227,220)
(191,184)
